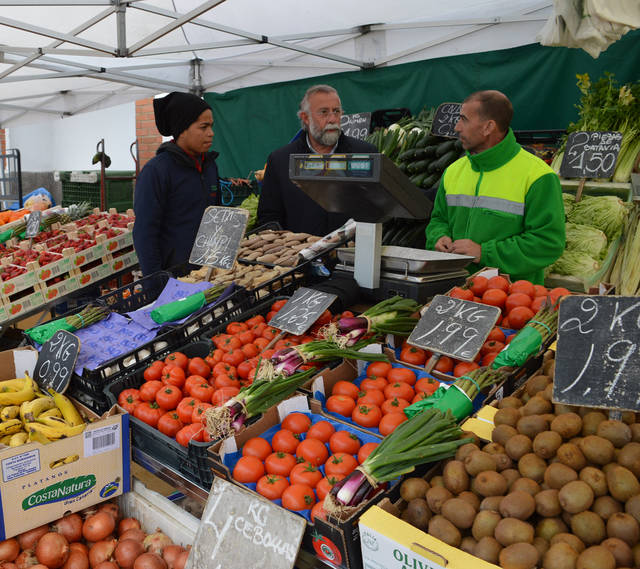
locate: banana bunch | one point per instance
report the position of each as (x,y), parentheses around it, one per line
(27,414)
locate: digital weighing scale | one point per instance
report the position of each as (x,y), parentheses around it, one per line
(371,189)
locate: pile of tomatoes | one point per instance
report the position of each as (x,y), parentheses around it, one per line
(301,462)
(378,400)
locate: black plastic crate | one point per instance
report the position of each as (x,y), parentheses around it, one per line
(191,462)
(136,294)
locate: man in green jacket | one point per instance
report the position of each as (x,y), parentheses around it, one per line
(499,203)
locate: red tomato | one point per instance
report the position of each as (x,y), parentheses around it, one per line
(341,404)
(496,334)
(225,368)
(236,327)
(505,324)
(148,412)
(487,359)
(202,391)
(558,292)
(298,497)
(257,319)
(340,463)
(248,469)
(249,350)
(498,283)
(280,463)
(192,381)
(305,473)
(494,297)
(322,430)
(198,412)
(540,290)
(177,358)
(538,303)
(463,368)
(365,450)
(246,337)
(170,423)
(326,484)
(516,299)
(244,369)
(173,375)
(154,371)
(192,432)
(414,356)
(129,399)
(296,423)
(270,333)
(197,366)
(390,421)
(223,394)
(258,447)
(379,369)
(234,356)
(519,316)
(394,405)
(444,365)
(344,441)
(271,486)
(285,441)
(378,383)
(367,415)
(478,285)
(463,293)
(168,397)
(426,385)
(149,389)
(491,346)
(399,389)
(371,397)
(278,304)
(318,511)
(313,451)
(402,374)
(345,388)
(185,409)
(223,380)
(524,287)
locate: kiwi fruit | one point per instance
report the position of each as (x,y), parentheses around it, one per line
(471,498)
(549,365)
(570,455)
(436,496)
(465,450)
(441,528)
(510,475)
(573,541)
(526,484)
(567,425)
(632,507)
(518,504)
(576,496)
(512,530)
(589,527)
(517,446)
(536,384)
(624,527)
(606,506)
(548,527)
(635,432)
(489,483)
(485,524)
(471,438)
(491,503)
(617,432)
(531,425)
(546,444)
(468,545)
(541,544)
(636,554)
(596,557)
(509,402)
(488,549)
(561,408)
(502,461)
(537,406)
(479,461)
(547,503)
(620,550)
(590,422)
(532,466)
(413,488)
(455,477)
(622,483)
(507,416)
(417,513)
(436,481)
(558,474)
(459,512)
(595,478)
(493,448)
(628,417)
(560,556)
(519,556)
(629,457)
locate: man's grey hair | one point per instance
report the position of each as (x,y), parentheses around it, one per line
(304,104)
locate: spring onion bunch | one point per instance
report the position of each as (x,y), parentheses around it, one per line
(250,401)
(86,317)
(427,437)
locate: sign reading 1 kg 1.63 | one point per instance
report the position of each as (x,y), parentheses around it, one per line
(598,352)
(56,361)
(302,310)
(219,236)
(445,119)
(591,154)
(454,327)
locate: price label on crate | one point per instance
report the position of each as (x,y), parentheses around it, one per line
(56,361)
(445,119)
(591,154)
(356,125)
(454,327)
(33,224)
(240,528)
(302,310)
(598,352)
(219,236)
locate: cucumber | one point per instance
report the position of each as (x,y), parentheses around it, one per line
(428,140)
(419,166)
(434,167)
(446,159)
(430,180)
(417,179)
(422,153)
(408,155)
(445,147)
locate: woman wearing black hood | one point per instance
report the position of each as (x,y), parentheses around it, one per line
(176,186)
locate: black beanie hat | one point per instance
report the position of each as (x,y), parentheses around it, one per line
(176,112)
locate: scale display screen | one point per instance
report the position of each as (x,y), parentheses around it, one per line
(335,165)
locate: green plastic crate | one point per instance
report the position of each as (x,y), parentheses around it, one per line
(119,193)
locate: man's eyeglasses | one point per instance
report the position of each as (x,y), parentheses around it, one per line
(324,113)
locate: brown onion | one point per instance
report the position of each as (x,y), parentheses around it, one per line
(127,551)
(98,527)
(111,508)
(102,551)
(133,533)
(127,524)
(70,526)
(150,561)
(52,550)
(9,549)
(26,559)
(79,546)
(77,560)
(106,565)
(181,560)
(29,538)
(88,511)
(170,554)
(156,542)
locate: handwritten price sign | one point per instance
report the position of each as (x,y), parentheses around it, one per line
(302,310)
(445,119)
(591,154)
(56,361)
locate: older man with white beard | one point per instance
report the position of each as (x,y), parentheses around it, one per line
(281,200)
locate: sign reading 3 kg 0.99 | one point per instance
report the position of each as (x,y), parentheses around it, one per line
(454,327)
(591,154)
(302,310)
(598,352)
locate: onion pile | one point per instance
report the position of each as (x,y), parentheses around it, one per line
(95,538)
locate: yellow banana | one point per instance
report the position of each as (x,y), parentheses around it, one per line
(36,436)
(59,426)
(11,385)
(9,412)
(54,412)
(10,427)
(30,410)
(18,439)
(69,411)
(6,439)
(27,393)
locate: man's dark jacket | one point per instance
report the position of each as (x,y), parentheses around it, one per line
(170,197)
(282,201)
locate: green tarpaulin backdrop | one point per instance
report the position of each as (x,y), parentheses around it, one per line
(540,81)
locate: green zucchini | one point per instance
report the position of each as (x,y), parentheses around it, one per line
(445,147)
(428,140)
(430,180)
(408,155)
(422,153)
(447,159)
(416,180)
(418,166)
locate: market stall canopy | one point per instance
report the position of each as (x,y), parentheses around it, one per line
(63,57)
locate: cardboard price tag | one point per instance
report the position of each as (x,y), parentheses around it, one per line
(302,310)
(56,361)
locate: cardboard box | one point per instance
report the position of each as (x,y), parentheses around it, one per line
(124,261)
(38,487)
(18,284)
(23,304)
(64,287)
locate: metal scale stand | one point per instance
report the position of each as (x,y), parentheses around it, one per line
(371,189)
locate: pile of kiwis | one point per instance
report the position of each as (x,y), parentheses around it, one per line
(557,488)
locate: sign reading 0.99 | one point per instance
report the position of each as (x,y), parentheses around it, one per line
(56,361)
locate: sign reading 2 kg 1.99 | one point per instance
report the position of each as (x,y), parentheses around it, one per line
(598,353)
(56,361)
(591,154)
(454,327)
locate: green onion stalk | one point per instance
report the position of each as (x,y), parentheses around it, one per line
(427,437)
(86,317)
(251,401)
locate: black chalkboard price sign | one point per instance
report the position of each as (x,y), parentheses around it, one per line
(445,119)
(219,235)
(33,224)
(356,125)
(591,154)
(56,361)
(302,310)
(598,352)
(454,327)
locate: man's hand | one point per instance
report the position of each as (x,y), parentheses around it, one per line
(466,247)
(444,244)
